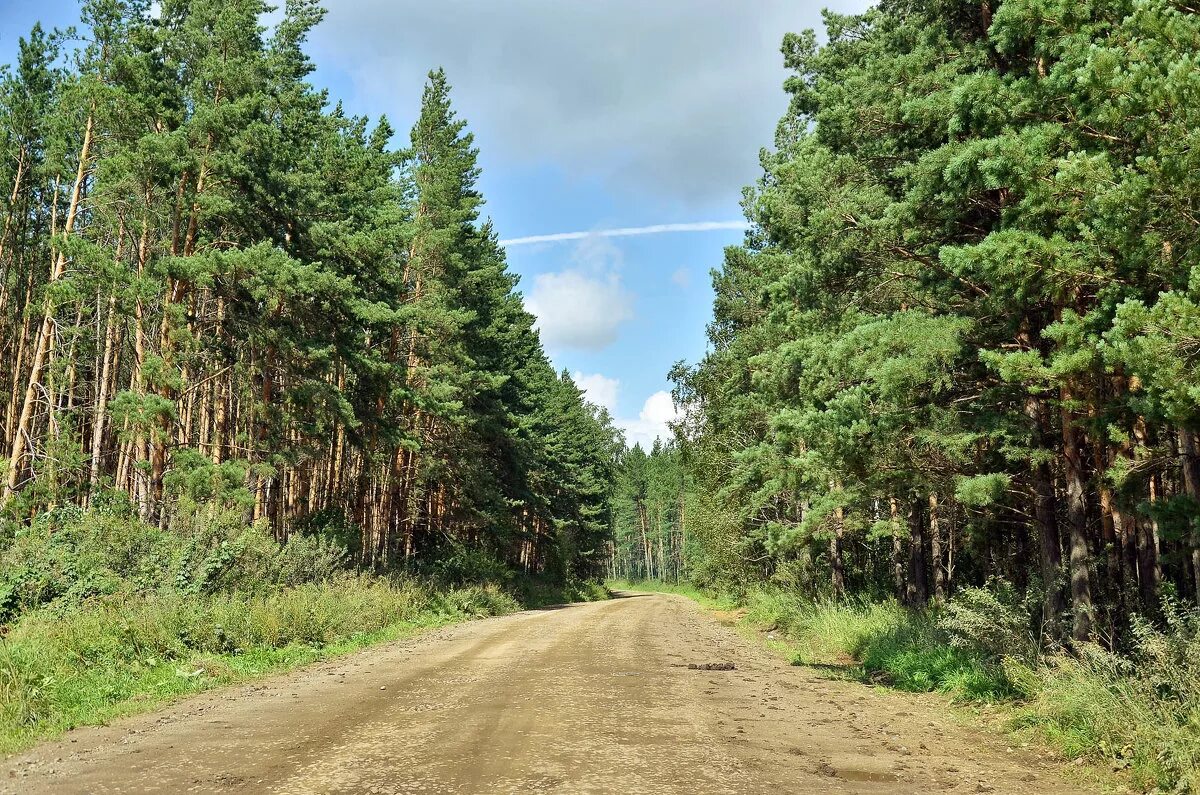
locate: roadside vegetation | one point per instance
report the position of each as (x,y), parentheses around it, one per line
(1136,713)
(707,598)
(107,615)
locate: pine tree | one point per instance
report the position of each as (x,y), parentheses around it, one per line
(951,311)
(215,288)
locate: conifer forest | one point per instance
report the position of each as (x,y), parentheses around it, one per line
(962,340)
(272,396)
(214,285)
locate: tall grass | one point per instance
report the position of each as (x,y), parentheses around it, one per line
(1140,710)
(106,615)
(123,654)
(880,641)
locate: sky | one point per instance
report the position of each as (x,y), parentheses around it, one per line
(590,116)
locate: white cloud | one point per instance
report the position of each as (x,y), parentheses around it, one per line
(583,306)
(652,421)
(597,253)
(682,278)
(575,309)
(598,389)
(658,410)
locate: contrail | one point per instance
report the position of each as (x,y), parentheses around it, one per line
(702,226)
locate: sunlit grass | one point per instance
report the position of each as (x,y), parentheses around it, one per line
(119,655)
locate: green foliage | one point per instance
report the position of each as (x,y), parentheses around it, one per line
(960,339)
(270,306)
(470,566)
(650,506)
(979,491)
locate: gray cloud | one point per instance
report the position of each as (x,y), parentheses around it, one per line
(671,97)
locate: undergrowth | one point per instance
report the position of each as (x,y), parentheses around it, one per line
(105,615)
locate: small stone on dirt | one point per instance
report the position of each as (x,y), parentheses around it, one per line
(711,666)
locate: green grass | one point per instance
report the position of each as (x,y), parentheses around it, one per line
(881,642)
(705,598)
(88,664)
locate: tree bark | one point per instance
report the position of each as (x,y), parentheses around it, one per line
(1046,518)
(935,543)
(1189,444)
(836,563)
(897,549)
(1072,457)
(917,592)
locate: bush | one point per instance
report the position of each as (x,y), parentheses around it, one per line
(70,556)
(992,623)
(464,565)
(73,556)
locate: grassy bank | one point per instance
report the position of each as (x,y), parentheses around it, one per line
(106,616)
(1136,712)
(120,655)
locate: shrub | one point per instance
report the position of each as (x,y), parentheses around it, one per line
(464,565)
(306,559)
(76,555)
(991,622)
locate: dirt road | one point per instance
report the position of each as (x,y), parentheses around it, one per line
(593,698)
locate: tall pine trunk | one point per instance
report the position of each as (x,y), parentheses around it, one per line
(935,548)
(917,592)
(1189,444)
(837,565)
(45,334)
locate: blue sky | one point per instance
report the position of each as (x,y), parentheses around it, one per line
(589,116)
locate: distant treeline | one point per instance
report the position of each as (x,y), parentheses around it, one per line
(215,286)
